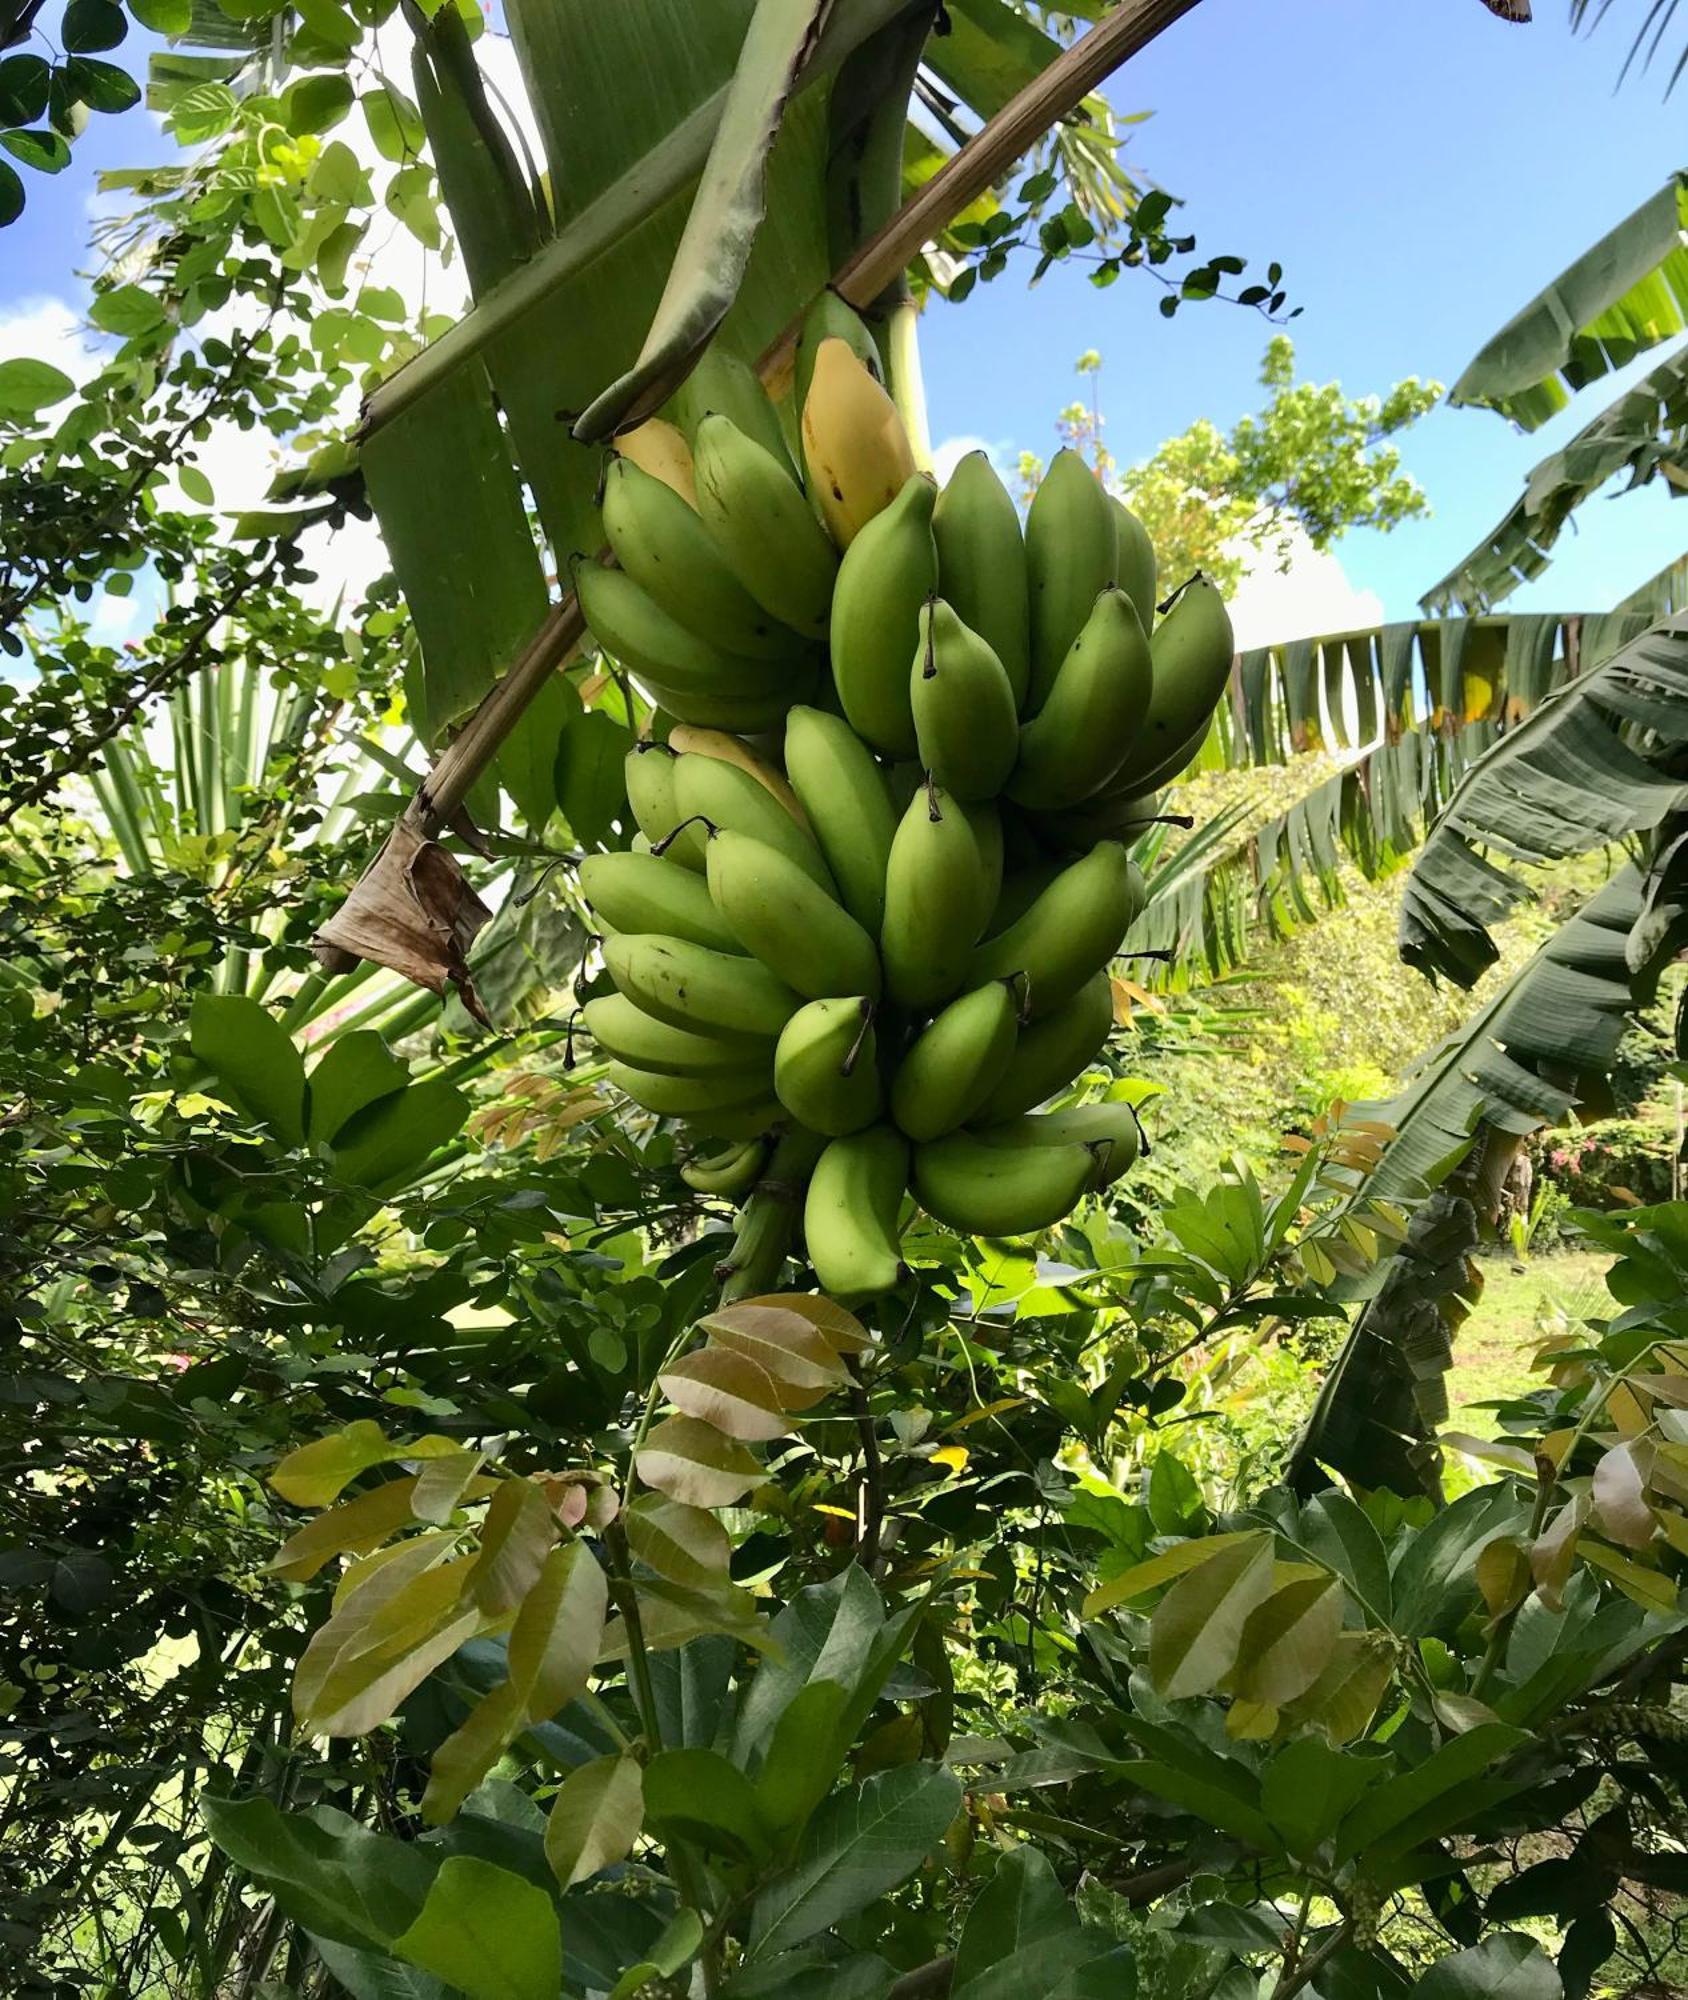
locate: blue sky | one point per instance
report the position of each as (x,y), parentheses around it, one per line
(1418,168)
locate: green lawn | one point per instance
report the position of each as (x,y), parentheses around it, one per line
(1492,1349)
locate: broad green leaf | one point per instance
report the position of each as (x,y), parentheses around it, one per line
(554,1641)
(328,1873)
(1198,1626)
(587,776)
(673,1951)
(25,83)
(1623,295)
(1210,1802)
(43,150)
(1343,1700)
(684,1544)
(311,1475)
(1287,1641)
(1398,1799)
(1339,1533)
(804,1755)
(27,386)
(388,1143)
(693,1463)
(353,1528)
(673,1615)
(486,1932)
(313,104)
(395,125)
(381,1644)
(1167,1567)
(595,1819)
(705,1800)
(516,1537)
(358,1070)
(102,86)
(1020,1905)
(163,17)
(89,26)
(253,1059)
(726,211)
(1503,1967)
(462,1761)
(859,1845)
(1307,1788)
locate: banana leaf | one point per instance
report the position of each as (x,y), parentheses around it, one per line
(1644,433)
(1587,768)
(1623,295)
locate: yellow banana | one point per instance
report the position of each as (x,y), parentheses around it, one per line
(638,892)
(849,809)
(730,750)
(662,451)
(668,552)
(934,898)
(1111,1130)
(832,318)
(1071,556)
(855,450)
(693,1096)
(884,580)
(957,1061)
(1050,1053)
(1192,650)
(965,721)
(728,1174)
(727,796)
(851,1212)
(721,385)
(826,1066)
(636,1038)
(632,627)
(1093,713)
(1136,565)
(705,992)
(983,1189)
(760,520)
(1070,933)
(982,564)
(783,917)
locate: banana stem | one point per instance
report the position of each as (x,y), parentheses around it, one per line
(768,1220)
(906,384)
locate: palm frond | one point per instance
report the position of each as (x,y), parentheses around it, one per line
(1622,296)
(1597,761)
(1644,433)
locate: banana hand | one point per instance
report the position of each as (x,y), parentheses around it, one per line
(935,894)
(778,912)
(956,1062)
(727,796)
(982,565)
(826,1066)
(763,527)
(842,791)
(638,892)
(705,992)
(1072,555)
(983,1189)
(1093,714)
(1050,1053)
(642,1042)
(1070,933)
(851,1212)
(884,580)
(966,724)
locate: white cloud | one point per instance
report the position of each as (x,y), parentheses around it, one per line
(947,455)
(1313,596)
(48,329)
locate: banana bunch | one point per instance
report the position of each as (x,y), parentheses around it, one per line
(890,924)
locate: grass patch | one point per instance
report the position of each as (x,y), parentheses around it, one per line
(1492,1350)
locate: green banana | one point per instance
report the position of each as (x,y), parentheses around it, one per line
(831,318)
(826,1066)
(966,724)
(986,1190)
(780,915)
(1192,651)
(663,546)
(1093,712)
(741,716)
(728,1174)
(633,628)
(705,992)
(1020,889)
(851,1212)
(721,385)
(648,772)
(887,574)
(1111,1130)
(641,1041)
(763,526)
(956,1062)
(692,1096)
(1070,933)
(982,564)
(727,796)
(986,823)
(1136,568)
(934,893)
(1072,554)
(1104,817)
(842,790)
(638,892)
(1050,1053)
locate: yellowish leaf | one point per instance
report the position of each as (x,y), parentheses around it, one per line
(470,1751)
(1621,1512)
(316,1473)
(1503,1574)
(595,1819)
(554,1641)
(730,1391)
(1287,1641)
(684,1544)
(841,1330)
(352,1528)
(695,1464)
(516,1537)
(1143,1577)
